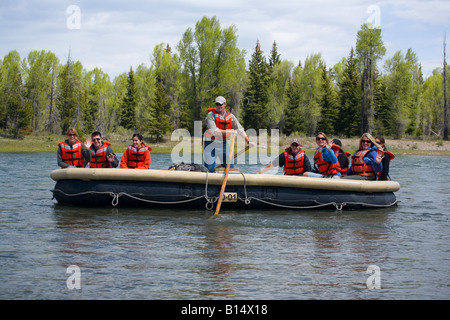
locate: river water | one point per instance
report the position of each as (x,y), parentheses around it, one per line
(51,251)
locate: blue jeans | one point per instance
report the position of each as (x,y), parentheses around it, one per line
(214,149)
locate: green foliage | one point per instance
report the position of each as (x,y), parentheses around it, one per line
(40,68)
(160,124)
(309,82)
(212,65)
(255,110)
(128,109)
(277,94)
(329,104)
(369,49)
(68,100)
(350,99)
(16,113)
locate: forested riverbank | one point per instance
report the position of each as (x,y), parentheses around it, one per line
(49,143)
(365,92)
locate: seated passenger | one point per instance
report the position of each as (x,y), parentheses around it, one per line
(72,153)
(341,155)
(366,161)
(383,175)
(137,155)
(102,155)
(326,163)
(293,160)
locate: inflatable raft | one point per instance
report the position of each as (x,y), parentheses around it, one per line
(186,189)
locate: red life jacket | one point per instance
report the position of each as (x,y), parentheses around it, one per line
(98,157)
(135,156)
(222,123)
(293,164)
(325,167)
(359,167)
(71,154)
(391,156)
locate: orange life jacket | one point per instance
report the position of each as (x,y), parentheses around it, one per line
(71,154)
(293,164)
(135,156)
(222,123)
(98,157)
(325,167)
(359,167)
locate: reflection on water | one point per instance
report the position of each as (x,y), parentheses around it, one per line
(135,253)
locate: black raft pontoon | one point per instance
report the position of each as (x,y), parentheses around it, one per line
(185,189)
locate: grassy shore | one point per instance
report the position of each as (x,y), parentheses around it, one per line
(49,143)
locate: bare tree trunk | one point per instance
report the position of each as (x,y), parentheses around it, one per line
(445,96)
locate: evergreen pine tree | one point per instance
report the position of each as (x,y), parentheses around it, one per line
(255,111)
(329,110)
(383,122)
(292,111)
(160,123)
(127,114)
(350,99)
(274,56)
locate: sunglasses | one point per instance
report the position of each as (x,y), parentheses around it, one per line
(320,138)
(72,135)
(96,139)
(219,104)
(366,141)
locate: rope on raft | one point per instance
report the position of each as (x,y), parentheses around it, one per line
(211,200)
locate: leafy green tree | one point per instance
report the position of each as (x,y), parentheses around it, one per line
(145,87)
(369,49)
(310,86)
(18,113)
(97,89)
(39,69)
(401,93)
(128,108)
(416,91)
(212,65)
(255,111)
(431,115)
(350,99)
(277,94)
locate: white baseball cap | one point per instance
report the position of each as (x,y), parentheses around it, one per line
(220,100)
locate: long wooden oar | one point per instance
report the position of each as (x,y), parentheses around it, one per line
(224,183)
(236,155)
